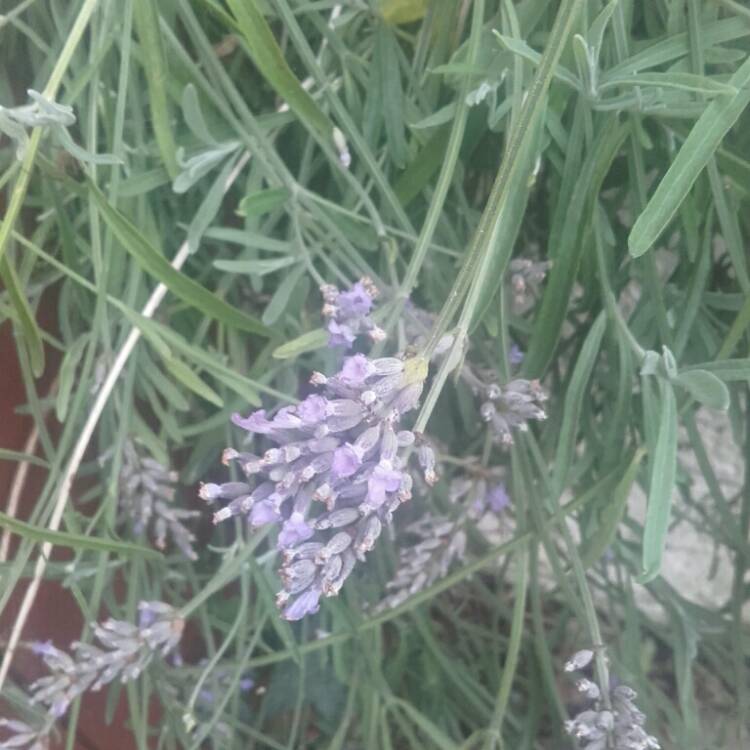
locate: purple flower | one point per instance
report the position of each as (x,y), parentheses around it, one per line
(498,499)
(348,313)
(256,422)
(357,301)
(382,481)
(305,604)
(356,369)
(345,461)
(263,512)
(334,475)
(294,531)
(312,410)
(515,355)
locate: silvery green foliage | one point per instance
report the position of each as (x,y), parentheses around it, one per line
(45,113)
(600,728)
(124,651)
(147,495)
(335,474)
(21,736)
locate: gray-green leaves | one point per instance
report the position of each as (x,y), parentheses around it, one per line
(703,140)
(663,467)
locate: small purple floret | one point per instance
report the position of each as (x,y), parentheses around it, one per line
(356,369)
(256,422)
(345,461)
(294,531)
(382,480)
(498,498)
(313,409)
(355,302)
(515,355)
(305,604)
(263,512)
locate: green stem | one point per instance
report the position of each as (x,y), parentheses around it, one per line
(50,90)
(488,228)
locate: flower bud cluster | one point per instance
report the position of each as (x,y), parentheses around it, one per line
(619,727)
(525,277)
(125,650)
(147,496)
(336,473)
(348,313)
(441,539)
(21,736)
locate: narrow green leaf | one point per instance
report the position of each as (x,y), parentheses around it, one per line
(67,375)
(193,114)
(263,202)
(704,387)
(192,381)
(661,485)
(557,293)
(609,520)
(183,287)
(701,143)
(307,342)
(6,455)
(29,329)
(76,541)
(678,81)
(268,57)
(391,93)
(254,266)
(574,399)
(155,68)
(209,207)
(281,296)
(728,370)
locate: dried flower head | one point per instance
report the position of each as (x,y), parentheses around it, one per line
(348,313)
(440,541)
(334,477)
(125,651)
(598,728)
(147,496)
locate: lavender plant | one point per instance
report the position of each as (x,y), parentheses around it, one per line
(544,202)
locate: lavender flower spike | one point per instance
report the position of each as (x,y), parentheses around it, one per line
(23,737)
(348,313)
(125,651)
(335,472)
(599,728)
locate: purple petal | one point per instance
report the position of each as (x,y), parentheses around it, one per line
(498,498)
(294,531)
(356,369)
(304,604)
(313,409)
(355,302)
(256,422)
(515,355)
(382,480)
(340,334)
(263,512)
(345,461)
